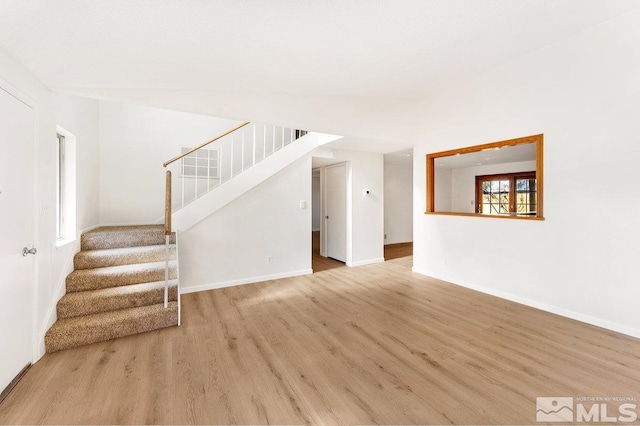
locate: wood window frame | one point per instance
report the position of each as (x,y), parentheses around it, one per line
(430,184)
(512,178)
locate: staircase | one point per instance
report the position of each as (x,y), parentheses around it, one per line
(117,287)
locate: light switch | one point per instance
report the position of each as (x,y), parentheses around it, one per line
(303,204)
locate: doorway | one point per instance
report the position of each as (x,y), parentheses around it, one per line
(335,212)
(17,227)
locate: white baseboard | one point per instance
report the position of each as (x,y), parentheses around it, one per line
(598,322)
(252,280)
(89,228)
(128,224)
(365,262)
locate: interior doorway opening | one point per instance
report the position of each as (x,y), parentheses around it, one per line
(329,214)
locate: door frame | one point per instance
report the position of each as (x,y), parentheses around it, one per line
(19,95)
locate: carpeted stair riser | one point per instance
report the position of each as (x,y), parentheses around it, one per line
(110,237)
(114,298)
(71,332)
(117,287)
(89,259)
(115,276)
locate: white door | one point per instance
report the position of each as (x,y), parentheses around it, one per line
(336,211)
(16,231)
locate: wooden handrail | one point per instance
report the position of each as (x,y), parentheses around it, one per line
(195,148)
(167,204)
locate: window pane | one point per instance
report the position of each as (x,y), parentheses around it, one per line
(526,197)
(495,197)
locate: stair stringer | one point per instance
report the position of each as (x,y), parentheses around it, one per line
(219,197)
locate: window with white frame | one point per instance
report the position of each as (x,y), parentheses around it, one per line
(60,180)
(201,164)
(65,185)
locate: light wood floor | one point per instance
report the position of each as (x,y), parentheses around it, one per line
(320,263)
(374,344)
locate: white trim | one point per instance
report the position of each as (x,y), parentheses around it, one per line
(20,96)
(588,319)
(87,229)
(349,212)
(128,224)
(233,283)
(63,242)
(365,262)
(68,230)
(323,226)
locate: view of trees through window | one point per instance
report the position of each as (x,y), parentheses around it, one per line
(506,194)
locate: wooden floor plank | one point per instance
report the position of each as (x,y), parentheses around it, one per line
(376,344)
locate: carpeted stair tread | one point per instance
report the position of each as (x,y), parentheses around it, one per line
(71,332)
(101,258)
(115,276)
(114,298)
(109,237)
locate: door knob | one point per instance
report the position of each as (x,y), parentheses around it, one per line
(26,251)
(326,217)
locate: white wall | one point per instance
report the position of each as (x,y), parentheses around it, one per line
(365,213)
(583,94)
(79,116)
(443,198)
(463,182)
(135,141)
(232,245)
(398,201)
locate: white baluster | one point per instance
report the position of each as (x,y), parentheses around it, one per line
(231,167)
(242,153)
(195,179)
(264,143)
(274,140)
(182,180)
(166,271)
(220,165)
(253,162)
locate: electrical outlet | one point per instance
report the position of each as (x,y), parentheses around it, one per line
(269,259)
(385,236)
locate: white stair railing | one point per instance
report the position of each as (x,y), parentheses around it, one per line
(196,171)
(206,167)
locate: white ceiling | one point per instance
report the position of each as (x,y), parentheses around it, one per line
(229,57)
(508,154)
